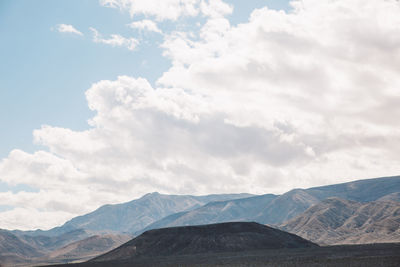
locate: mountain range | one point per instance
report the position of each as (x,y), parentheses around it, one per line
(362,211)
(276,209)
(339,221)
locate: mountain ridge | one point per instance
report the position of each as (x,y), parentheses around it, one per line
(336,221)
(155,210)
(275,209)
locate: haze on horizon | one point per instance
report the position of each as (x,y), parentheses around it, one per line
(126,97)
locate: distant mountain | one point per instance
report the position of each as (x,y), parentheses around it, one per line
(286,206)
(274,210)
(391,197)
(212,238)
(46,243)
(18,248)
(361,191)
(244,209)
(14,250)
(296,201)
(34,250)
(135,215)
(85,249)
(49,246)
(339,221)
(156,210)
(131,216)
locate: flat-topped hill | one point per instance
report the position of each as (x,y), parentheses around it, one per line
(188,240)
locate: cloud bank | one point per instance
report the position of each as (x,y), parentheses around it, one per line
(295,99)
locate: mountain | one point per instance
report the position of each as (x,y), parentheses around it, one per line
(244,209)
(131,216)
(156,210)
(339,221)
(361,191)
(14,250)
(85,249)
(391,197)
(286,206)
(46,243)
(137,214)
(296,201)
(274,210)
(17,248)
(212,238)
(17,251)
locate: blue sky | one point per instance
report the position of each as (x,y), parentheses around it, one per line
(45,74)
(220,96)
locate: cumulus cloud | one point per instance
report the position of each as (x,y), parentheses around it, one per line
(285,100)
(145,24)
(115,40)
(171,9)
(66,28)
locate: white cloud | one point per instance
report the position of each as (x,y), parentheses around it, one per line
(215,8)
(145,24)
(286,100)
(115,40)
(66,28)
(171,9)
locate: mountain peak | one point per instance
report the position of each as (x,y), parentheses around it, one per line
(152,194)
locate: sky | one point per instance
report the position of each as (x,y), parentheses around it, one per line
(104,101)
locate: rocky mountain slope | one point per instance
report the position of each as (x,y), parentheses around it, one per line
(272,209)
(216,212)
(85,249)
(14,250)
(137,214)
(339,221)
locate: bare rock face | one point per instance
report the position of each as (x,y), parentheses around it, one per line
(212,238)
(339,221)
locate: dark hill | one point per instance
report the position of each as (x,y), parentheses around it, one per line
(212,238)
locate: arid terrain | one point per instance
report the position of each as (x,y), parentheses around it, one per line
(373,255)
(360,212)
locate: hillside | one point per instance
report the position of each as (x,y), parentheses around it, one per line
(212,238)
(85,249)
(339,221)
(14,250)
(47,243)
